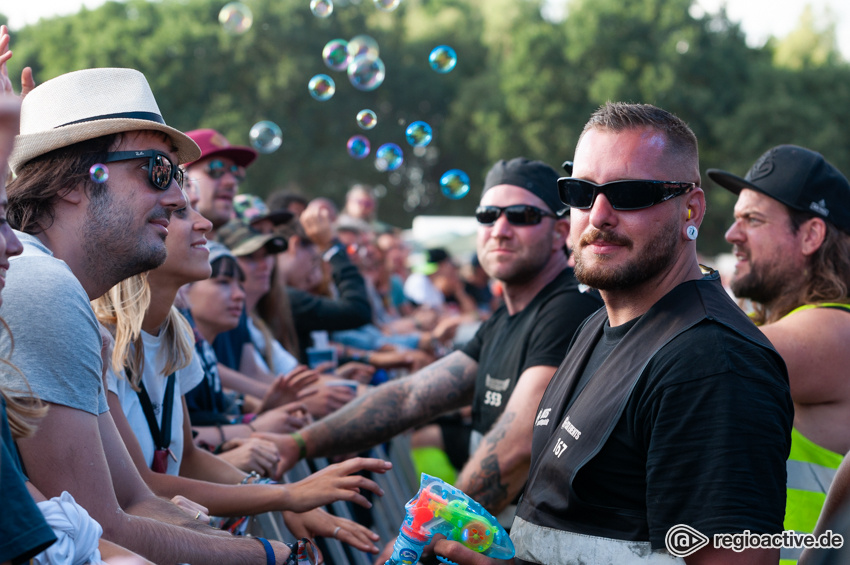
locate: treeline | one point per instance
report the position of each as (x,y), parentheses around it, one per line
(522,86)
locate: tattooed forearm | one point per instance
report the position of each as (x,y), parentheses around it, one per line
(485,485)
(394,407)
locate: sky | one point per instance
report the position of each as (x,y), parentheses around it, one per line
(759,18)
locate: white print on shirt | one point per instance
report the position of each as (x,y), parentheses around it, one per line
(500,385)
(492,398)
(542,417)
(560,448)
(571,429)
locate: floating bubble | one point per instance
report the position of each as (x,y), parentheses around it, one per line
(366,119)
(387,5)
(321,87)
(335,54)
(388,157)
(358,146)
(363,46)
(454,184)
(419,134)
(99,173)
(366,74)
(322,8)
(266,136)
(235,18)
(442,59)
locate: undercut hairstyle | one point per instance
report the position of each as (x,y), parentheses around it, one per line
(46,178)
(621,116)
(827,274)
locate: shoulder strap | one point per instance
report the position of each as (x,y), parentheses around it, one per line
(161,435)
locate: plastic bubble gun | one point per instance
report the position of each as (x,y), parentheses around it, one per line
(444,509)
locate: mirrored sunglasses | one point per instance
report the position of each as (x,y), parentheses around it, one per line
(216,169)
(161,171)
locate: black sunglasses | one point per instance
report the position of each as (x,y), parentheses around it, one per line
(216,169)
(622,194)
(517,215)
(161,171)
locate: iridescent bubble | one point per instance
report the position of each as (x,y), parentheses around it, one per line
(419,134)
(388,157)
(321,87)
(235,18)
(387,5)
(442,59)
(266,136)
(366,119)
(358,146)
(366,74)
(363,46)
(99,173)
(322,8)
(454,184)
(335,54)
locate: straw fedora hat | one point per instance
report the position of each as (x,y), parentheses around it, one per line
(90,103)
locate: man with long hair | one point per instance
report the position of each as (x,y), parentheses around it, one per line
(791,237)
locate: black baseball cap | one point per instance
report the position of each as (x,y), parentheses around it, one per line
(799,178)
(534,176)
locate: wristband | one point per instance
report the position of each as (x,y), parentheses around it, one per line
(221,434)
(269,551)
(253,475)
(302,447)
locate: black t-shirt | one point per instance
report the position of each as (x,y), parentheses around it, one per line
(540,334)
(702,441)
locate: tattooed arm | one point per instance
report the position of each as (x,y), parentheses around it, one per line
(498,469)
(391,408)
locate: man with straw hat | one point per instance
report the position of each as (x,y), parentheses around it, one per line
(97,180)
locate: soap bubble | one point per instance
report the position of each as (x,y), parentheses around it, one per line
(419,134)
(358,146)
(322,8)
(235,18)
(388,157)
(387,5)
(363,46)
(366,74)
(266,136)
(454,184)
(366,119)
(335,54)
(321,87)
(99,173)
(442,59)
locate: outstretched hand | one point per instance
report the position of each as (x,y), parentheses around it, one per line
(27,82)
(336,482)
(289,387)
(318,523)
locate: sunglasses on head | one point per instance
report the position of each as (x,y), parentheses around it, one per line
(517,215)
(216,169)
(621,194)
(161,171)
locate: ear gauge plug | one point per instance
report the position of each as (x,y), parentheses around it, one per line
(692,232)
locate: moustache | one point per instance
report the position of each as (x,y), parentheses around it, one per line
(599,236)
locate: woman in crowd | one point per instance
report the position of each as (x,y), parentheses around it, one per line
(162,346)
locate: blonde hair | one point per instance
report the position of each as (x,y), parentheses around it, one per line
(23,408)
(123,309)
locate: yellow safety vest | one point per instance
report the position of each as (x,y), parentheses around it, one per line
(810,469)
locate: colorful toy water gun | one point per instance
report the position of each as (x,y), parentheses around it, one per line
(442,508)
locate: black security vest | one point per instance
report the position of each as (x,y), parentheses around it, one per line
(576,432)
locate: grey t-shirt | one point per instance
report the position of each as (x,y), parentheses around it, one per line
(56,334)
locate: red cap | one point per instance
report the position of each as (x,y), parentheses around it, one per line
(212,143)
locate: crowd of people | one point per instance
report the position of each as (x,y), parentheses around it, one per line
(171,346)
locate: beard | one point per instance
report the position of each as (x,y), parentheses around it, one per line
(762,284)
(113,251)
(653,259)
(522,269)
